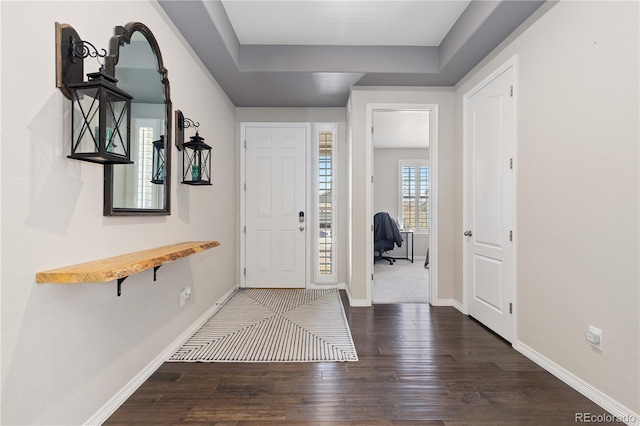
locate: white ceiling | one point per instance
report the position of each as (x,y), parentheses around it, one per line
(343,23)
(311,53)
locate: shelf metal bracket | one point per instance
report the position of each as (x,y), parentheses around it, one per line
(155,268)
(120,280)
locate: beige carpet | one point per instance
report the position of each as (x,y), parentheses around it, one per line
(402,282)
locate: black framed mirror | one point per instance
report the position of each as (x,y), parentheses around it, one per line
(137,189)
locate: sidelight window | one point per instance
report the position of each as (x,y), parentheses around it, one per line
(325,206)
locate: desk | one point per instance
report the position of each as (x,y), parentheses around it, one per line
(405,237)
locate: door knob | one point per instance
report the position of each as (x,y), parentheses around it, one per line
(468,233)
(302,228)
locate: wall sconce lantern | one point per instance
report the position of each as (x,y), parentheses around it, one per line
(158,166)
(196,161)
(196,155)
(101,112)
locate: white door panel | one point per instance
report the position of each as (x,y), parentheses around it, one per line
(487,173)
(275,239)
(489,215)
(487,276)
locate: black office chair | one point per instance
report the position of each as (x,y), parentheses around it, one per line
(380,247)
(385,236)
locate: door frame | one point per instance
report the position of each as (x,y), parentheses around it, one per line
(510,63)
(309,228)
(433,159)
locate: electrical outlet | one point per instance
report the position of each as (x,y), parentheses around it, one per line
(594,337)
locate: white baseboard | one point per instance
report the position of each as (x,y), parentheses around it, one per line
(449,302)
(322,286)
(618,411)
(118,399)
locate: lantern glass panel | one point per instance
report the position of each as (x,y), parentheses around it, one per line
(86,121)
(205,172)
(116,137)
(158,161)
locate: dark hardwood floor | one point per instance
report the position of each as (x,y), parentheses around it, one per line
(418,365)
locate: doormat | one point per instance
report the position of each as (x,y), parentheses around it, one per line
(273,325)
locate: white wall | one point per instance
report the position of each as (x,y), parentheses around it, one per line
(68,349)
(315,115)
(577,208)
(360,192)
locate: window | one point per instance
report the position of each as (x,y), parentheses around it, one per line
(145,153)
(414,204)
(325,250)
(146,131)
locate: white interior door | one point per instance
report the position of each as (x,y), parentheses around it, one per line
(276,220)
(489,215)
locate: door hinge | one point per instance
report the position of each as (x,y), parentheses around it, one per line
(510,308)
(245,186)
(371,129)
(511,163)
(371,179)
(245,229)
(371,228)
(244,272)
(510,235)
(511,91)
(245,143)
(371,277)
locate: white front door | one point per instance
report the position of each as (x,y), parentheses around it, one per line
(275,206)
(489,204)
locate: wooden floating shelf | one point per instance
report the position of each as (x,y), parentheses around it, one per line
(120,267)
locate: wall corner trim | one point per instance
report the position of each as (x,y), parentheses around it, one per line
(357,303)
(589,391)
(119,398)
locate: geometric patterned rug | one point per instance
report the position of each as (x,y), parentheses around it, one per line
(273,325)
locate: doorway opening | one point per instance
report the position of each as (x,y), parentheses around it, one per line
(403,143)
